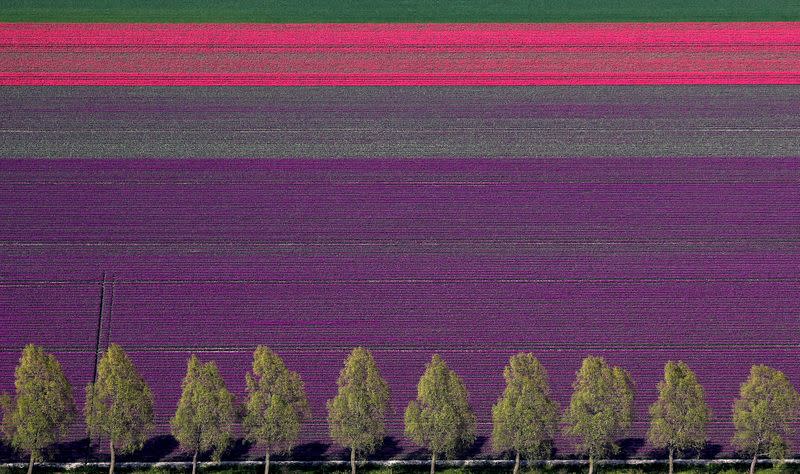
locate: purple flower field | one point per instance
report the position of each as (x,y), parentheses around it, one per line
(693,259)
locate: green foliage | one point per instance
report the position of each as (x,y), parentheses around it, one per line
(276,405)
(403,11)
(356,416)
(680,415)
(42,409)
(601,407)
(763,413)
(440,418)
(525,418)
(205,413)
(119,405)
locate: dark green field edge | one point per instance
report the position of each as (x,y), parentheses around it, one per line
(396,11)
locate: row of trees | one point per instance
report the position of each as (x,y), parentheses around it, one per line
(119,409)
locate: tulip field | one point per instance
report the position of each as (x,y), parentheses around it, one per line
(629,190)
(638,260)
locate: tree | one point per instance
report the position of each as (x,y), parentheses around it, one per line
(356,415)
(680,415)
(440,418)
(763,413)
(205,413)
(525,418)
(119,404)
(42,409)
(276,404)
(601,408)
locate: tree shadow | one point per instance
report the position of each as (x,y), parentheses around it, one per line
(310,451)
(71,451)
(418,454)
(9,454)
(628,447)
(573,456)
(389,449)
(338,453)
(710,451)
(154,449)
(472,451)
(238,450)
(476,448)
(656,453)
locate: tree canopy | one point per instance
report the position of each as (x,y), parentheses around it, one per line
(441,418)
(356,415)
(525,418)
(763,413)
(680,416)
(42,409)
(119,404)
(276,404)
(204,418)
(601,408)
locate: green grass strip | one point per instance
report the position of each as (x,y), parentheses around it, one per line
(396,11)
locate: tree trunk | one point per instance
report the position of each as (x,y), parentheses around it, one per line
(433,463)
(591,464)
(353,460)
(753,464)
(671,455)
(113,458)
(266,463)
(194,463)
(516,463)
(30,464)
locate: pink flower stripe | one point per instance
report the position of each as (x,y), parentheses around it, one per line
(400,54)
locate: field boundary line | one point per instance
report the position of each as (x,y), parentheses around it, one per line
(405,462)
